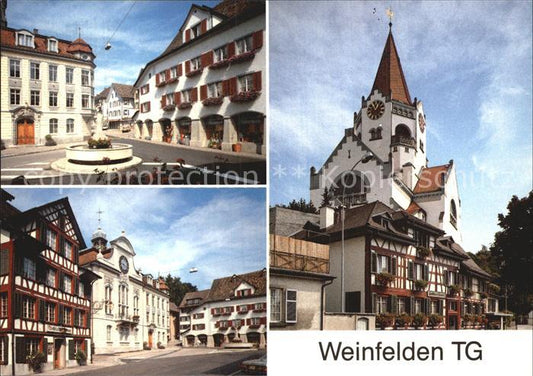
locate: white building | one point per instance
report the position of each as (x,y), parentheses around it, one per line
(391,127)
(205,89)
(116,104)
(129,308)
(234,308)
(47,88)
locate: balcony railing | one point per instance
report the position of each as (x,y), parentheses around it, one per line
(405,141)
(288,253)
(353,199)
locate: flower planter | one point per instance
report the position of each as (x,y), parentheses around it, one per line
(242,57)
(212,101)
(172,80)
(245,96)
(220,64)
(185,105)
(169,107)
(194,72)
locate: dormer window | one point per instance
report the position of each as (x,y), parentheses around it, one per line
(25,39)
(52,45)
(243,292)
(196,30)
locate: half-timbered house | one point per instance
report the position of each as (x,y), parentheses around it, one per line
(45,301)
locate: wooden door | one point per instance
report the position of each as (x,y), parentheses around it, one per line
(57,353)
(150,340)
(25,132)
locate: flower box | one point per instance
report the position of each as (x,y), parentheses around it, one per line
(453,290)
(184,105)
(254,326)
(242,57)
(212,101)
(172,80)
(245,96)
(384,278)
(169,107)
(220,64)
(194,72)
(161,83)
(421,284)
(422,252)
(467,292)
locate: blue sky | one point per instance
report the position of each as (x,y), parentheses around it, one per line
(469,62)
(219,231)
(145,33)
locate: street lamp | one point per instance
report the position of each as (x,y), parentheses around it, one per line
(364,159)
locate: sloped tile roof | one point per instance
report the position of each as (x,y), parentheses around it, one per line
(202,295)
(223,288)
(102,94)
(431,179)
(125,91)
(65,48)
(390,79)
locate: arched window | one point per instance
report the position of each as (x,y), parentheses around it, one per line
(453,214)
(378,133)
(372,134)
(402,131)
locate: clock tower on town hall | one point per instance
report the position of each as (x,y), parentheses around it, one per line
(382,157)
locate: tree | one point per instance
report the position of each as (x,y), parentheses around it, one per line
(302,206)
(178,289)
(326,197)
(513,252)
(486,261)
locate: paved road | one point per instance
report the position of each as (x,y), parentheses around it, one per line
(184,362)
(36,167)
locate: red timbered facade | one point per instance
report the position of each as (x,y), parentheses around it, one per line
(45,296)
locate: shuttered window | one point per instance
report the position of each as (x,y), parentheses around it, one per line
(291,306)
(3,304)
(275,304)
(4,261)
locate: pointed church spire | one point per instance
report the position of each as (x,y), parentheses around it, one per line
(389,77)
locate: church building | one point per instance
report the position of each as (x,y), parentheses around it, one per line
(130,309)
(392,221)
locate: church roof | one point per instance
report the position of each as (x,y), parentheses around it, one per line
(390,79)
(79,45)
(431,179)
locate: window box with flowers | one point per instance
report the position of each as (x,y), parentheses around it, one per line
(453,290)
(169,107)
(421,284)
(384,279)
(214,143)
(184,105)
(422,252)
(220,64)
(467,292)
(213,101)
(172,80)
(195,72)
(245,56)
(385,320)
(403,321)
(419,320)
(245,96)
(435,320)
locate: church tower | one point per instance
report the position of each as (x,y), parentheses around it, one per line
(99,240)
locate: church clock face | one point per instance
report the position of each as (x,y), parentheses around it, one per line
(124,265)
(375,110)
(421,122)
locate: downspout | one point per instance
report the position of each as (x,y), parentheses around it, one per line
(12,310)
(324,285)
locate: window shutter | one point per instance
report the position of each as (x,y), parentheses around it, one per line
(374,303)
(71,350)
(426,272)
(18,306)
(156,79)
(20,344)
(179,70)
(394,304)
(427,306)
(149,106)
(248,321)
(88,319)
(76,255)
(61,250)
(257,39)
(163,101)
(231,49)
(187,35)
(76,317)
(411,305)
(167,75)
(225,88)
(263,320)
(410,270)
(41,272)
(19,263)
(76,286)
(6,349)
(45,349)
(61,282)
(177,98)
(257,81)
(207,59)
(42,232)
(4,261)
(394,266)
(187,66)
(217,324)
(212,311)
(389,304)
(41,304)
(445,278)
(203,92)
(203,26)
(194,94)
(86,348)
(60,313)
(373,262)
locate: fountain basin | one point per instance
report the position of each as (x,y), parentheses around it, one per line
(82,154)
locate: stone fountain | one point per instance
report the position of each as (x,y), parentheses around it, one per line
(98,154)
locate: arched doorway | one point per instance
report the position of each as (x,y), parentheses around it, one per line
(184,130)
(166,130)
(253,337)
(218,339)
(150,129)
(25,131)
(214,130)
(139,128)
(250,130)
(202,338)
(190,340)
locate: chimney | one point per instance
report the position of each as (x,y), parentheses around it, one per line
(408,171)
(327,216)
(35,31)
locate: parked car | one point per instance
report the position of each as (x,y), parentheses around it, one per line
(255,366)
(125,128)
